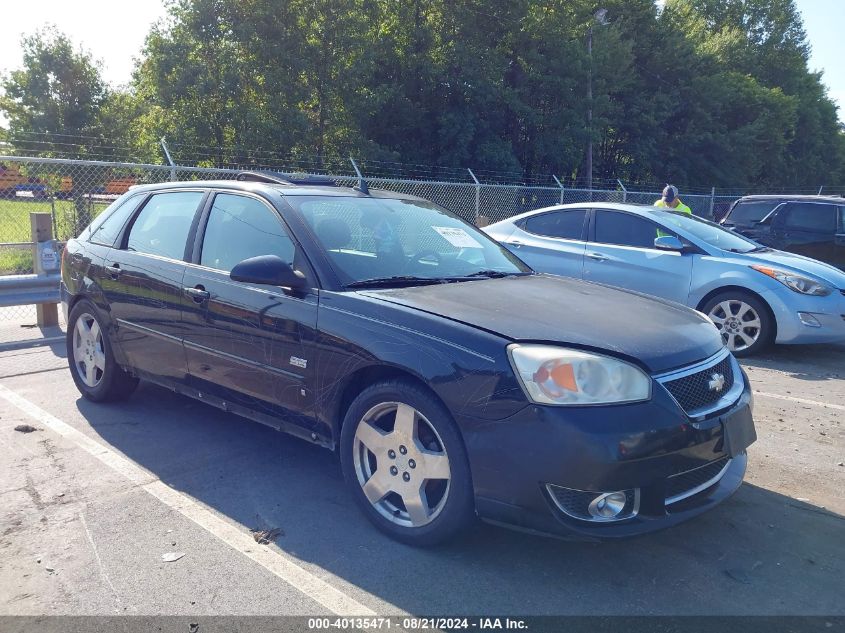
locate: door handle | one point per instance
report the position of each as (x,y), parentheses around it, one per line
(598,257)
(115,270)
(198,293)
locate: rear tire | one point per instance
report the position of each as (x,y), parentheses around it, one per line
(743,320)
(95,372)
(404,461)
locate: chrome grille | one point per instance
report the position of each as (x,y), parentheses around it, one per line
(690,482)
(693,391)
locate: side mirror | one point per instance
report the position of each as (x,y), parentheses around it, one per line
(668,243)
(268,270)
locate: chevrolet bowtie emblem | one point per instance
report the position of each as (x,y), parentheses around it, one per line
(717,382)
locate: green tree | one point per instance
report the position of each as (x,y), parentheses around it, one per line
(58,91)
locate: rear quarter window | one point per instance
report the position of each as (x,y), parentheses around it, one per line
(108,230)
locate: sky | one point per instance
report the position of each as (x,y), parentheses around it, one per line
(114,32)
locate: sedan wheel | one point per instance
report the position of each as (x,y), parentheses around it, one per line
(738,323)
(404,459)
(89,355)
(743,320)
(92,364)
(404,472)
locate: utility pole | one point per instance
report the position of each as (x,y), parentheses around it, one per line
(590,108)
(600,17)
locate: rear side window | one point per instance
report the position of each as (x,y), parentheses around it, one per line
(841,228)
(751,212)
(240,227)
(162,226)
(563,224)
(110,228)
(816,218)
(625,229)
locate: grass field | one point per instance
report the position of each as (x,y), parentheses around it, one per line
(15,227)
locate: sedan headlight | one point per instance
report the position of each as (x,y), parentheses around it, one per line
(556,375)
(798,283)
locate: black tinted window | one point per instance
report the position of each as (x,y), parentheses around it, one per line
(805,216)
(239,228)
(625,229)
(751,212)
(565,224)
(109,229)
(163,225)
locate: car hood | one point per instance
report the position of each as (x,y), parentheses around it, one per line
(659,334)
(798,264)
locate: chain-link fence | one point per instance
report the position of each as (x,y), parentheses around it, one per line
(74,192)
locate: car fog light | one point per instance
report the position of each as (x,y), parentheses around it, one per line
(808,319)
(608,505)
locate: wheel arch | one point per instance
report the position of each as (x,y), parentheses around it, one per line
(364,377)
(742,289)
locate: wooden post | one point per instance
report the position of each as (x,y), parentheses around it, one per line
(41,225)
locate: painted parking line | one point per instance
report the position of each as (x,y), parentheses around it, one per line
(817,403)
(277,563)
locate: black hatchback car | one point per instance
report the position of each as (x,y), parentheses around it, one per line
(452,379)
(813,226)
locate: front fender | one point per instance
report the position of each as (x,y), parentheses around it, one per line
(467,368)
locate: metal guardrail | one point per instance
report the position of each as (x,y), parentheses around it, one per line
(18,290)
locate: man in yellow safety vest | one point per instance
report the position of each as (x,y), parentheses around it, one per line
(671,200)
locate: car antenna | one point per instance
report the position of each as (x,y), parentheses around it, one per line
(362,184)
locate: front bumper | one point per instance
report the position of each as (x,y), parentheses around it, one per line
(642,446)
(828,312)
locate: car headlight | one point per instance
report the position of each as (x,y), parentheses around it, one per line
(798,283)
(556,375)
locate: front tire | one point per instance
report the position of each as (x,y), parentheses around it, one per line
(95,372)
(743,320)
(404,460)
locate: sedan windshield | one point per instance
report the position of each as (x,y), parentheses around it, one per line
(384,241)
(709,232)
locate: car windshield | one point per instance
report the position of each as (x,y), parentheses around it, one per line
(372,241)
(708,232)
(751,212)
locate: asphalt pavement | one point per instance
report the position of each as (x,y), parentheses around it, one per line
(97,494)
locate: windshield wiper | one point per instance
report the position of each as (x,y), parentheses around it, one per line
(492,274)
(397,280)
(756,249)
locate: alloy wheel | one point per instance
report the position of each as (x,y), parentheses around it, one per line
(89,356)
(401,464)
(737,322)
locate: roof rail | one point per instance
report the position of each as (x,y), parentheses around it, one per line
(263,176)
(281,178)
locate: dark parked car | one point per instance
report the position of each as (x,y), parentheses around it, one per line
(451,378)
(813,226)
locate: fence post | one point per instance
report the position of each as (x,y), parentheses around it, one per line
(41,225)
(477,194)
(712,202)
(624,191)
(561,187)
(169,160)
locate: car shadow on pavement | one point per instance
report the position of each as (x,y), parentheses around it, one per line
(804,362)
(758,553)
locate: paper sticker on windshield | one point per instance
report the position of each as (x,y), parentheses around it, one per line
(457,237)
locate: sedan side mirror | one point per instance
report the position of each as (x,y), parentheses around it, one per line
(268,270)
(668,243)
